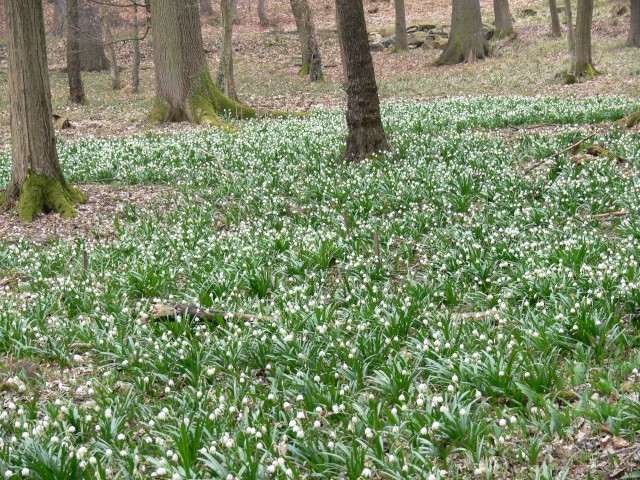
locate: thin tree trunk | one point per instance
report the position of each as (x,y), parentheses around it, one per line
(206,9)
(584,20)
(504,23)
(633,40)
(343,58)
(224,79)
(571,71)
(135,71)
(59,18)
(311,59)
(556,31)
(110,46)
(366,135)
(234,11)
(36,176)
(92,57)
(262,14)
(74,73)
(466,40)
(401,26)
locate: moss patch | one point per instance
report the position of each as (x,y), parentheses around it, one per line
(40,193)
(304,70)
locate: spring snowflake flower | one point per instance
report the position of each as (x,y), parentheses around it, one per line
(435,425)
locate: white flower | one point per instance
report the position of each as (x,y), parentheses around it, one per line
(503,422)
(366,473)
(435,425)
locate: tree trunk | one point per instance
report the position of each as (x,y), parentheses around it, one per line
(135,70)
(92,57)
(224,79)
(59,18)
(556,31)
(36,176)
(111,49)
(504,23)
(234,11)
(343,59)
(311,59)
(206,9)
(466,40)
(570,40)
(262,14)
(366,135)
(184,88)
(584,19)
(633,40)
(401,27)
(76,89)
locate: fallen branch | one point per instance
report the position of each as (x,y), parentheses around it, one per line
(170,311)
(621,213)
(211,155)
(557,154)
(110,179)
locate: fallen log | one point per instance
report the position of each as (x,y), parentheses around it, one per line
(170,312)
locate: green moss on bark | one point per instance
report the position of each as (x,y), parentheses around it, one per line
(40,193)
(159,111)
(304,70)
(502,34)
(585,72)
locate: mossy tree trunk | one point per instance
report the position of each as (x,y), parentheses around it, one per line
(633,40)
(366,135)
(311,60)
(110,46)
(36,177)
(206,9)
(184,87)
(556,30)
(224,79)
(401,26)
(74,74)
(92,56)
(571,40)
(504,22)
(467,42)
(262,14)
(583,60)
(59,18)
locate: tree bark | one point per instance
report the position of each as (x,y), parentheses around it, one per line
(184,87)
(206,9)
(401,26)
(74,73)
(556,30)
(466,40)
(224,79)
(92,57)
(135,70)
(504,22)
(311,60)
(59,18)
(570,39)
(36,176)
(110,46)
(366,135)
(262,14)
(584,19)
(633,40)
(234,11)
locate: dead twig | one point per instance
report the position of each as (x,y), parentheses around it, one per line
(557,154)
(621,213)
(170,311)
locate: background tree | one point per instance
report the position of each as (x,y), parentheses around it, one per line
(224,79)
(36,177)
(184,87)
(59,18)
(366,135)
(633,40)
(401,26)
(135,69)
(111,49)
(466,40)
(504,22)
(311,59)
(74,73)
(262,14)
(92,56)
(556,30)
(206,9)
(581,65)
